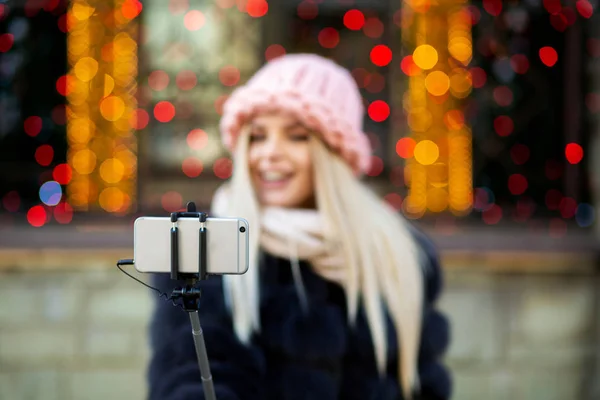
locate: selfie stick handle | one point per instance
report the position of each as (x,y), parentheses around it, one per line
(191,295)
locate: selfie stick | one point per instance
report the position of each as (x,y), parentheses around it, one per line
(190,295)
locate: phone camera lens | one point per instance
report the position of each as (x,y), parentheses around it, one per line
(242,229)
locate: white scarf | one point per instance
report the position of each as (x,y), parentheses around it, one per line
(295,234)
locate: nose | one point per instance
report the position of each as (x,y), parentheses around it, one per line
(272,147)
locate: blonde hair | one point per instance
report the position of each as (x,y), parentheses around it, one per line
(382,257)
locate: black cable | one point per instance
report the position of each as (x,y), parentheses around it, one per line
(167,298)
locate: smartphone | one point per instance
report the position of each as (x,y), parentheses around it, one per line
(227,244)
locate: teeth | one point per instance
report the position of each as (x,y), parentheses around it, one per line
(273,176)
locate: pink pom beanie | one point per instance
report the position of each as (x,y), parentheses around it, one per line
(320,93)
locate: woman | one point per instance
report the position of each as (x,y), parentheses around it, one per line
(338,302)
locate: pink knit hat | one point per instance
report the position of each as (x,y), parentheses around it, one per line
(317,91)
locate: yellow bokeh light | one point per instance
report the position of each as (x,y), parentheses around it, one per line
(82,11)
(461,49)
(437,175)
(112,199)
(420,119)
(109,84)
(80,191)
(80,130)
(112,170)
(425,56)
(437,83)
(84,161)
(112,108)
(426,152)
(461,83)
(86,68)
(437,199)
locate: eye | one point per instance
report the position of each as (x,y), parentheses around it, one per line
(299,136)
(257,137)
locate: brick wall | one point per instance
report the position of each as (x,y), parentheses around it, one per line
(80,334)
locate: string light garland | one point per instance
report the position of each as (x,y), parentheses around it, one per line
(101,111)
(438,171)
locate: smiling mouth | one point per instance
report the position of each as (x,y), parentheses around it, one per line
(274,179)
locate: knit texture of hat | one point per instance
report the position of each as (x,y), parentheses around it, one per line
(317,91)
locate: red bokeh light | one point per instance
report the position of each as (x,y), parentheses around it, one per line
(361,76)
(229,75)
(585,8)
(394,200)
(329,38)
(171,201)
(186,80)
(503,96)
(519,63)
(257,8)
(519,154)
(64,85)
(32,125)
(405,147)
(553,6)
(409,67)
(62,174)
(274,51)
(164,111)
(354,20)
(194,20)
(131,9)
(192,167)
(517,184)
(559,22)
(373,28)
(524,210)
(36,216)
(548,55)
(567,207)
(475,14)
(44,155)
(493,7)
(222,168)
(197,139)
(503,125)
(376,166)
(6,42)
(307,9)
(574,153)
(139,119)
(492,215)
(63,213)
(375,83)
(381,55)
(158,80)
(379,111)
(479,77)
(11,201)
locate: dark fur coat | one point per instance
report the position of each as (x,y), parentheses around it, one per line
(296,356)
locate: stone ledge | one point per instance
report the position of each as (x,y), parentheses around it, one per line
(86,259)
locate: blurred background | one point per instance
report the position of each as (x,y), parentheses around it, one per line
(483,116)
